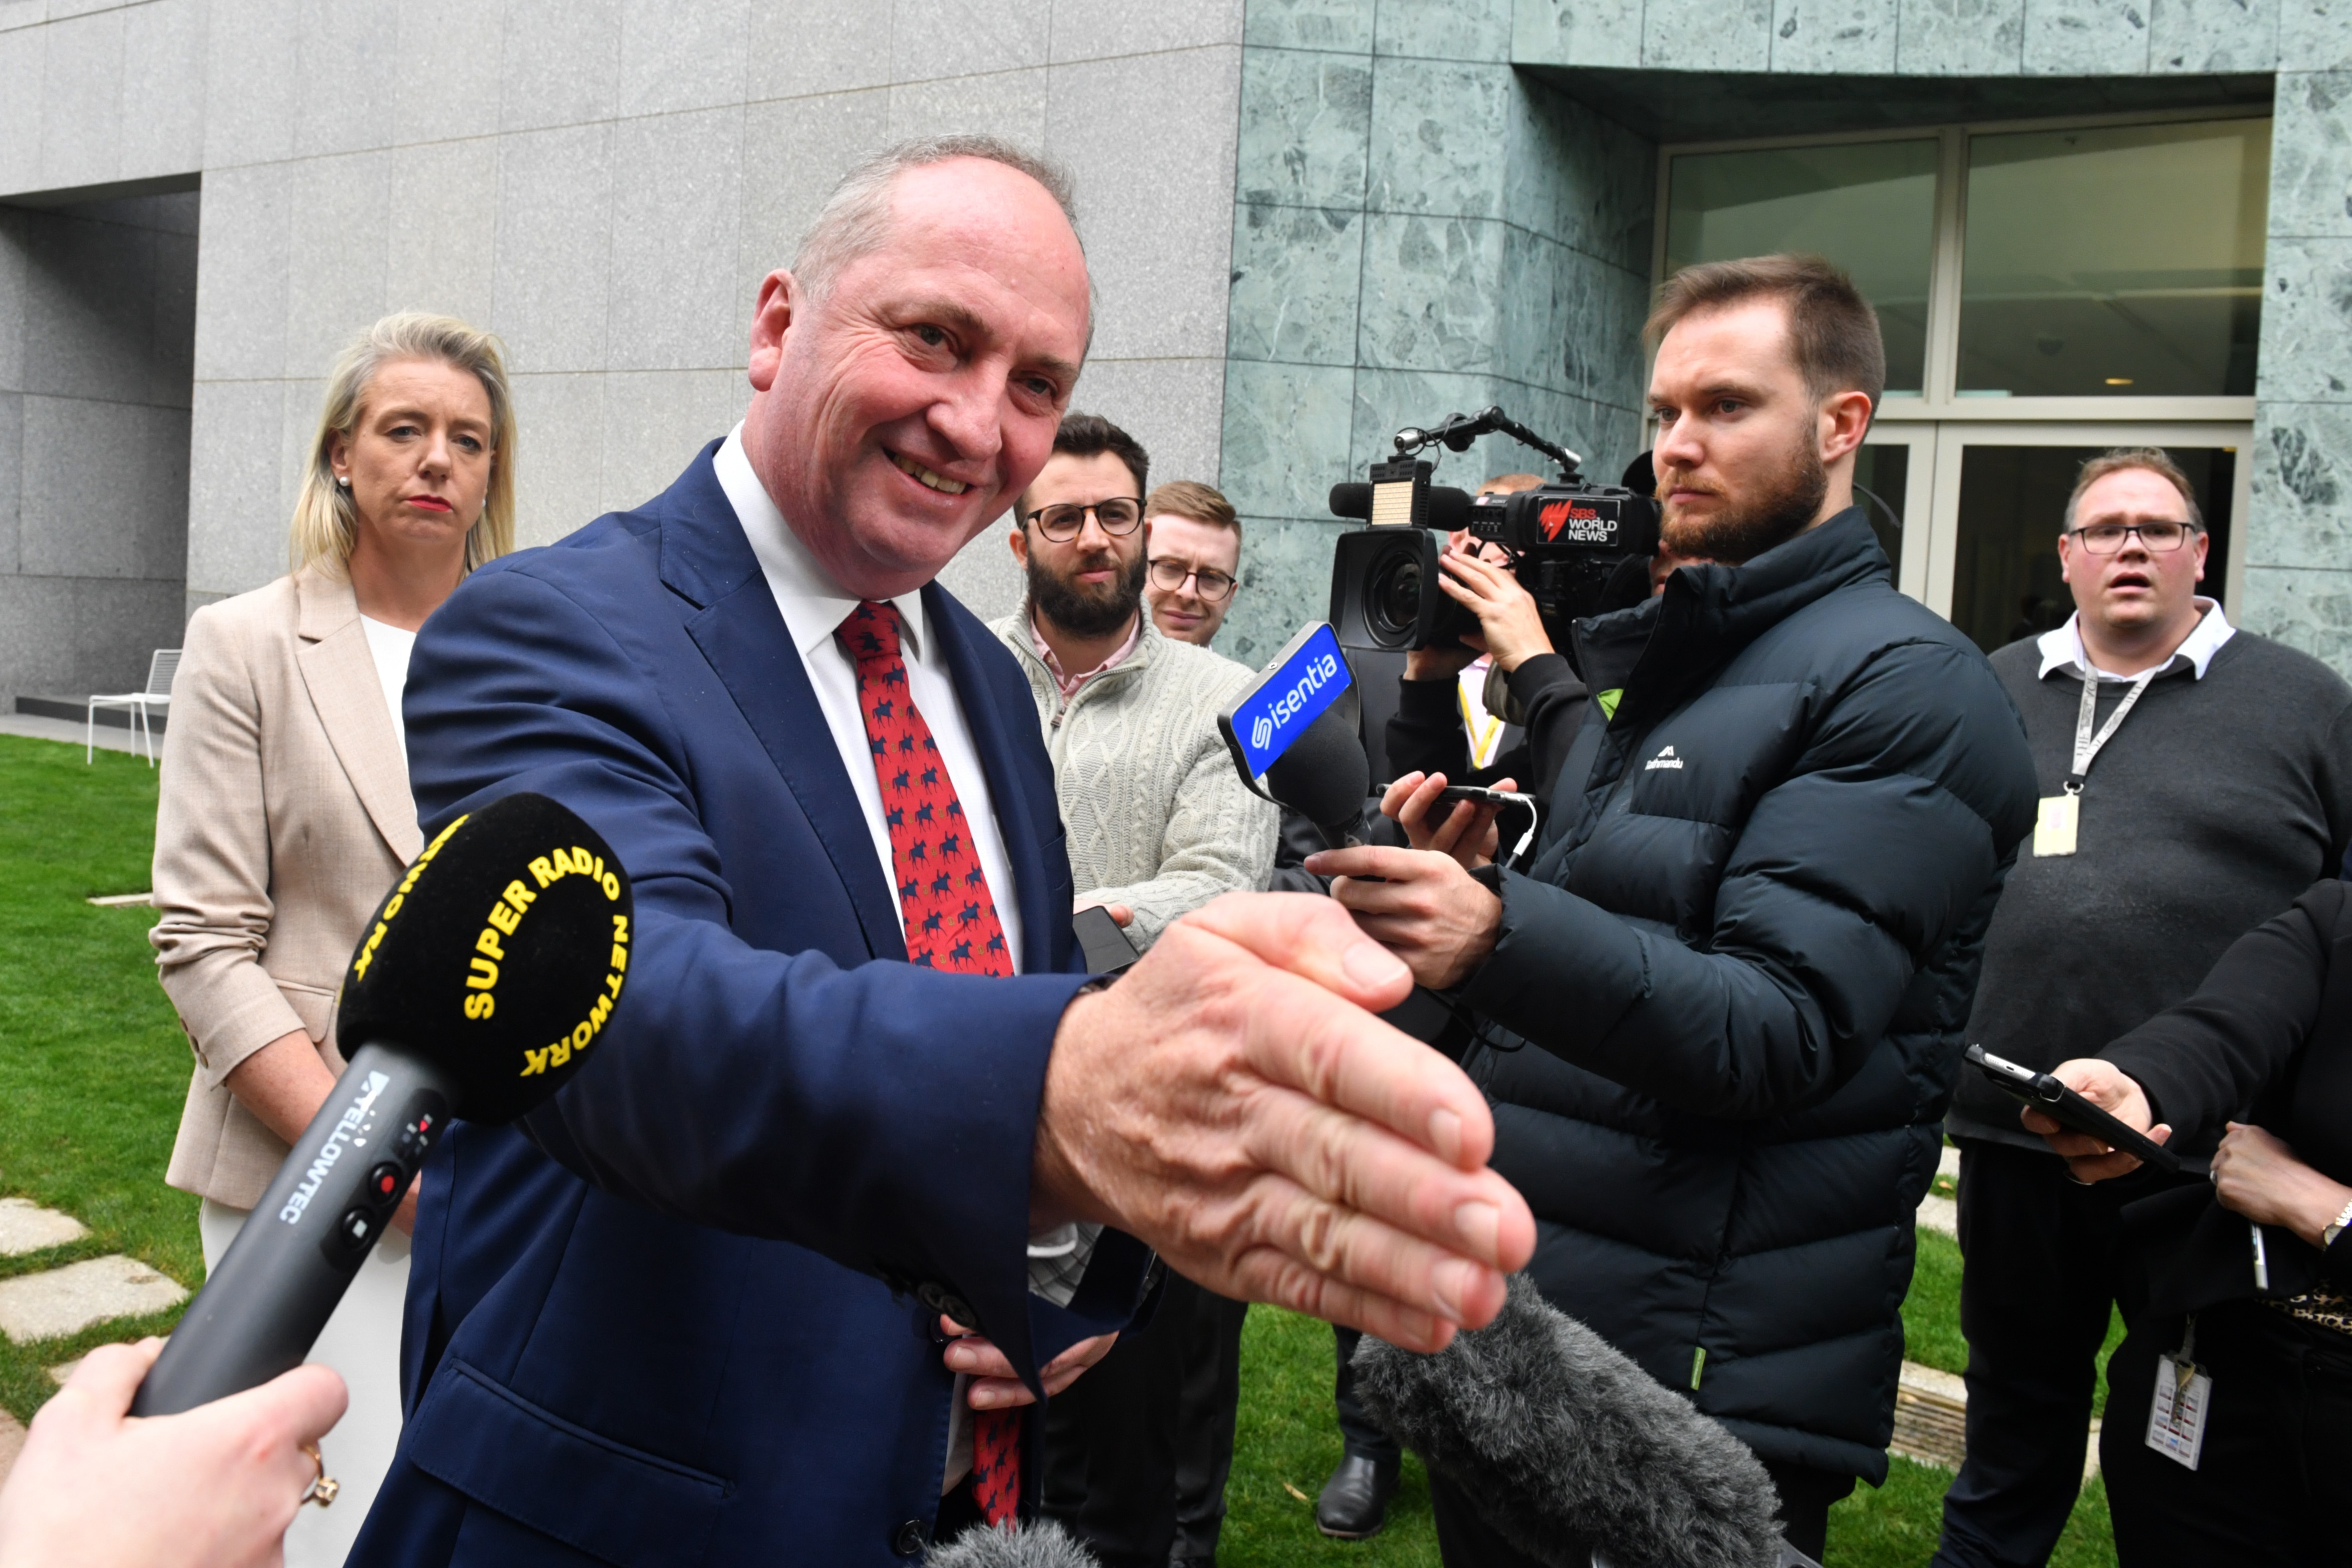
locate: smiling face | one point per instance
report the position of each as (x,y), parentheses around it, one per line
(418,458)
(1090,585)
(1747,456)
(2136,590)
(896,416)
(1181,613)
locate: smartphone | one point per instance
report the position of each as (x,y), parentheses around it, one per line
(1102,939)
(2069,1109)
(1474,793)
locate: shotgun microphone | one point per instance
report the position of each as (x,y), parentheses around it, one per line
(480,987)
(1570,1450)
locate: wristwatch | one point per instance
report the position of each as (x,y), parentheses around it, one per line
(2336,1228)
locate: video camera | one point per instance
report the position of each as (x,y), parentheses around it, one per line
(1579,549)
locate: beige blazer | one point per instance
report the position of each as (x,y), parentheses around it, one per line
(285,814)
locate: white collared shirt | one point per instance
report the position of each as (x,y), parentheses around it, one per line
(814,609)
(2063,647)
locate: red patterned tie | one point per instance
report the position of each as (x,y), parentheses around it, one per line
(944,903)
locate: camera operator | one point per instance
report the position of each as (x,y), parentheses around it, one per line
(1787,819)
(1454,716)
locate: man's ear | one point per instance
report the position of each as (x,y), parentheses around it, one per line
(2065,558)
(771,319)
(1845,421)
(1020,542)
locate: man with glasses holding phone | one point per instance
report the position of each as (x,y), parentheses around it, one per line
(1158,823)
(2194,780)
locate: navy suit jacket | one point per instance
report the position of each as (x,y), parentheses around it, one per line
(683,1314)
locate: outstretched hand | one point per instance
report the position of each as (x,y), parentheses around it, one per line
(1232,1103)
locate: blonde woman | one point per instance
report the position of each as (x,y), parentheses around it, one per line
(286,813)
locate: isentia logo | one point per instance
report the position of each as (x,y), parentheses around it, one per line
(1313,678)
(1665,759)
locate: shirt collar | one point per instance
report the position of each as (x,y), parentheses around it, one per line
(813,605)
(1069,684)
(2064,647)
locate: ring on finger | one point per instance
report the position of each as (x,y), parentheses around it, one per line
(323,1487)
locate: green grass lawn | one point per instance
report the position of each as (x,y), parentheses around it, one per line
(93,1069)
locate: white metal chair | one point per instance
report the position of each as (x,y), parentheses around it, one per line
(156,699)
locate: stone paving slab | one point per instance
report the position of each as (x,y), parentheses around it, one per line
(27,1227)
(70,1300)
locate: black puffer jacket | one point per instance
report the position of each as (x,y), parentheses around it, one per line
(1747,951)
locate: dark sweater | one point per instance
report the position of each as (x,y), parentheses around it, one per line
(2215,804)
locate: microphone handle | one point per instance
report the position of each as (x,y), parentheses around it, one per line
(261,1310)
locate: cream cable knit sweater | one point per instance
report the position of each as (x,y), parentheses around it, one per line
(1156,817)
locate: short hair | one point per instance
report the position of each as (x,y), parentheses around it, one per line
(1090,436)
(1832,330)
(2154,460)
(856,219)
(326,520)
(1191,498)
(1510,484)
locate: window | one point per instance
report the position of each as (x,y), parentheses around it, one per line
(2046,291)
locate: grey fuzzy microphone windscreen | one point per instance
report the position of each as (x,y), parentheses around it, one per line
(1041,1544)
(1569,1450)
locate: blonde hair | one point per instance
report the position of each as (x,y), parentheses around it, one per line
(326,521)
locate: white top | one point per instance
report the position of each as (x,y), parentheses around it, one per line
(390,648)
(814,609)
(2064,645)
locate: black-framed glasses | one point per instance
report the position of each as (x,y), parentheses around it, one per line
(2160,538)
(1062,521)
(1168,574)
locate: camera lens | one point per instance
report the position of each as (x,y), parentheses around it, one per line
(1392,598)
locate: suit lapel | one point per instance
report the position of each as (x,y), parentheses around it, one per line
(997,736)
(742,633)
(341,675)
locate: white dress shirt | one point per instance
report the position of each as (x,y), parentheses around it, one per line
(814,609)
(2064,645)
(389,647)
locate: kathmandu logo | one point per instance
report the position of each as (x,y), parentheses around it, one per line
(1665,759)
(1261,732)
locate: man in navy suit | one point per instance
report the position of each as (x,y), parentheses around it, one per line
(715,1302)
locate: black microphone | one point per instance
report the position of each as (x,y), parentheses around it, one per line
(480,987)
(1570,1450)
(1325,777)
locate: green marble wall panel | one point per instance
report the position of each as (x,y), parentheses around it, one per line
(1465,30)
(2213,35)
(1288,436)
(1305,121)
(1285,582)
(1707,34)
(2311,155)
(1344,26)
(2307,607)
(1577,32)
(1431,294)
(1293,284)
(2306,344)
(1437,129)
(2314,35)
(2086,37)
(2302,502)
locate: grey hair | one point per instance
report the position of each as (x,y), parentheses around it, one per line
(855,219)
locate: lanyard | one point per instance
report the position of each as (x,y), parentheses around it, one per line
(2087,745)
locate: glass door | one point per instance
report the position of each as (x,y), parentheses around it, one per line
(1998,501)
(1895,481)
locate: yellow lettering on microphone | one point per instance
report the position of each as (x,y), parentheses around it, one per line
(487,944)
(520,897)
(484,975)
(559,1053)
(598,1014)
(620,958)
(367,954)
(481,1004)
(505,916)
(393,907)
(611,887)
(562,862)
(544,869)
(533,1061)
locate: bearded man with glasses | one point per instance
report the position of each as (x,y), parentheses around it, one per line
(1158,823)
(2195,778)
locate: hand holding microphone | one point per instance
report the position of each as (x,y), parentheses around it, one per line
(480,987)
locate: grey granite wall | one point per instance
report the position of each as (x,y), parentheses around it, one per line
(1418,228)
(604,182)
(96,324)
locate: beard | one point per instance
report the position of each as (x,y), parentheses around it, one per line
(1747,526)
(1081,610)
